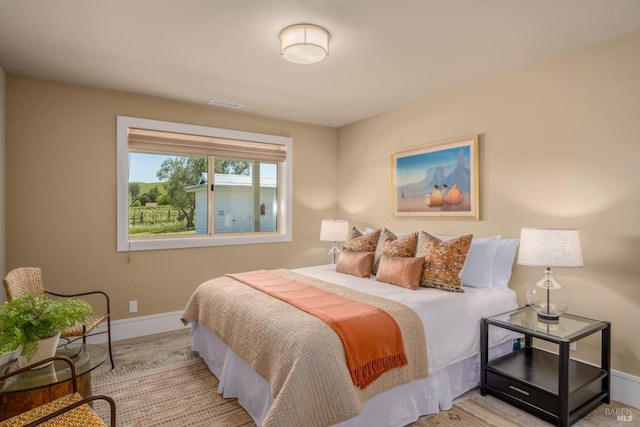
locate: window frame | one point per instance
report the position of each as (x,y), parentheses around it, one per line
(285,189)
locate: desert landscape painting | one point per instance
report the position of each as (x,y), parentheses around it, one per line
(438,180)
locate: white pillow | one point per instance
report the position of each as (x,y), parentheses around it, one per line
(369,230)
(478,269)
(503,262)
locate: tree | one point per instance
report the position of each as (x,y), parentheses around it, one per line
(143,199)
(179,173)
(232,167)
(134,190)
(164,200)
(153,194)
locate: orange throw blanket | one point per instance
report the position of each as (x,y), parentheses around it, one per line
(371,337)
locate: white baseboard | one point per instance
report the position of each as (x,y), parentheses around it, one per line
(135,327)
(625,388)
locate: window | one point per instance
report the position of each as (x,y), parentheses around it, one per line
(183,185)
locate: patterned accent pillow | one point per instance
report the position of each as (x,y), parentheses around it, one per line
(385,236)
(443,261)
(354,232)
(400,271)
(358,242)
(355,263)
(404,246)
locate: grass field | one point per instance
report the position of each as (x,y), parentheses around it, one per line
(153,220)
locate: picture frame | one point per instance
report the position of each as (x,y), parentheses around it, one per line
(437,180)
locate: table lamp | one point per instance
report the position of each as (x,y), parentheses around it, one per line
(549,247)
(334,230)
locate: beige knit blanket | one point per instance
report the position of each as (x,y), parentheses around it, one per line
(300,356)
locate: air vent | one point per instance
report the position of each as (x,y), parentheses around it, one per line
(225,104)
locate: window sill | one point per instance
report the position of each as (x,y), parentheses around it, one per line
(198,242)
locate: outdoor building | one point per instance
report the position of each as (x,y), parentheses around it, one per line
(233,206)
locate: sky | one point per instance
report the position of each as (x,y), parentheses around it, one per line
(143,167)
(412,168)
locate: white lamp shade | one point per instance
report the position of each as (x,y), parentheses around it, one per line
(304,43)
(550,247)
(334,230)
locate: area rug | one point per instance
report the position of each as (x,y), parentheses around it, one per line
(184,393)
(474,412)
(488,411)
(180,391)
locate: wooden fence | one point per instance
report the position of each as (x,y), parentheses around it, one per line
(152,215)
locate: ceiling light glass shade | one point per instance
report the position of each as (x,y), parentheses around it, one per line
(540,247)
(304,44)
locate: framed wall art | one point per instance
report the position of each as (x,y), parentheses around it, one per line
(438,180)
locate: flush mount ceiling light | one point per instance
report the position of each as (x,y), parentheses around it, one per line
(304,43)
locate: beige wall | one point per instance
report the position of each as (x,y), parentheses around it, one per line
(61,196)
(560,147)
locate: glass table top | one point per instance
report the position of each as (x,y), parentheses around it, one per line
(567,327)
(86,357)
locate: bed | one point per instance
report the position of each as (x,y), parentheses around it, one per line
(449,322)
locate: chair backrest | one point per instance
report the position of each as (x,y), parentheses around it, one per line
(23,280)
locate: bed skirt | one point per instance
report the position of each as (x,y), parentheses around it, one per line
(399,406)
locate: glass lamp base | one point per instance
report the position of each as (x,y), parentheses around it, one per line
(334,253)
(551,319)
(548,298)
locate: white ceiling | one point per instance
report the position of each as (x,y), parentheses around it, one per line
(383,54)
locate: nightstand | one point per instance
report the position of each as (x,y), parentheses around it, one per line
(551,386)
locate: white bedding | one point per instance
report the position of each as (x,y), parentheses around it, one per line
(452,328)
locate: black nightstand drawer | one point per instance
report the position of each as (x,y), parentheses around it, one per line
(523,392)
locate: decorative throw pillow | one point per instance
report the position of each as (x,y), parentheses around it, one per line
(404,246)
(443,261)
(354,232)
(385,236)
(400,271)
(355,263)
(358,242)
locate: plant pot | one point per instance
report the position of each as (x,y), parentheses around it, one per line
(46,348)
(10,356)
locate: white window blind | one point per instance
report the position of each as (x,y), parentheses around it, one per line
(154,141)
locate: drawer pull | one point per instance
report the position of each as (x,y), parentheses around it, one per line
(526,393)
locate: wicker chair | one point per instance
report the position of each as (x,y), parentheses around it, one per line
(69,410)
(25,280)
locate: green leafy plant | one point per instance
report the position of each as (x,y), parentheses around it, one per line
(27,319)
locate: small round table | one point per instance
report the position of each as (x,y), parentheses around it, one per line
(39,386)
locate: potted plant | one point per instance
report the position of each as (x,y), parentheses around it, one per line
(29,318)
